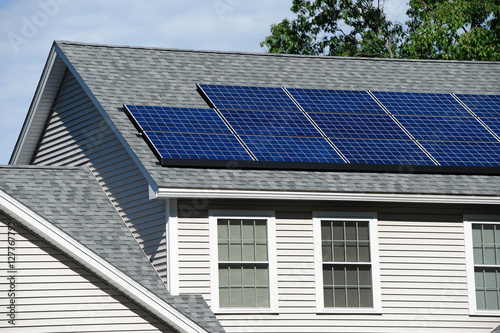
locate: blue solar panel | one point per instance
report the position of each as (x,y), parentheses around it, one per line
(198,146)
(368,126)
(291,149)
(339,101)
(270,123)
(482,105)
(445,128)
(249,98)
(400,103)
(374,151)
(167,119)
(464,153)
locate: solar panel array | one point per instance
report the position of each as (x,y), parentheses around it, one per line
(327,126)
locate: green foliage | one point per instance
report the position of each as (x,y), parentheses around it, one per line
(437,29)
(335,27)
(458,29)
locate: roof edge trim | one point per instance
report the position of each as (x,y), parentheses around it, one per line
(329,196)
(67,244)
(33,107)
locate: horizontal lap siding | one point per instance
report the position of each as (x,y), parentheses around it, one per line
(76,134)
(55,294)
(422,273)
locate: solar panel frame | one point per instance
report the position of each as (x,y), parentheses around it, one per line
(291,149)
(350,125)
(172,119)
(378,151)
(420,104)
(464,153)
(482,105)
(276,123)
(248,98)
(176,145)
(337,101)
(445,128)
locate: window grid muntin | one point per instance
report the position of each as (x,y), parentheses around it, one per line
(331,238)
(259,239)
(487,295)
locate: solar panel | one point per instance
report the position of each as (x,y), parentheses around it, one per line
(456,153)
(482,105)
(291,149)
(248,98)
(405,103)
(368,126)
(198,146)
(168,119)
(445,128)
(339,101)
(270,123)
(375,151)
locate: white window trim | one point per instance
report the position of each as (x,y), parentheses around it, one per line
(469,220)
(214,215)
(374,257)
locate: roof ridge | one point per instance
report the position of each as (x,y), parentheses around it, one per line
(266,54)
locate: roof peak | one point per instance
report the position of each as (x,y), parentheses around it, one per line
(264,54)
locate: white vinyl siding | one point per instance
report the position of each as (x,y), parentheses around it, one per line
(56,294)
(423,283)
(76,134)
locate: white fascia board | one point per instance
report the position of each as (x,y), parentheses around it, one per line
(25,131)
(67,244)
(329,196)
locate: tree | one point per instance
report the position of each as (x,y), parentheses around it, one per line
(319,30)
(459,29)
(436,29)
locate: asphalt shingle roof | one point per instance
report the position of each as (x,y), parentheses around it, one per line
(119,75)
(72,200)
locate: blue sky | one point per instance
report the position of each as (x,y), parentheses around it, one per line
(28,28)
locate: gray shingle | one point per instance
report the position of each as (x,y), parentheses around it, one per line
(72,200)
(133,75)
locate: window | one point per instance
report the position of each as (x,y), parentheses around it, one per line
(346,262)
(242,264)
(483,264)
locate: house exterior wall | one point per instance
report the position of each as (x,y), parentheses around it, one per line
(53,293)
(76,134)
(421,256)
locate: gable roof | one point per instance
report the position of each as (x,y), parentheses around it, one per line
(71,200)
(117,75)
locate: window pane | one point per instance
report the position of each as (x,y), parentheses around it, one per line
(328,296)
(222,229)
(480,300)
(478,255)
(366,297)
(488,234)
(327,275)
(352,276)
(350,231)
(326,249)
(235,252)
(339,276)
(365,276)
(351,252)
(249,297)
(260,229)
(340,297)
(489,255)
(339,252)
(262,276)
(492,300)
(262,295)
(248,230)
(363,233)
(235,275)
(338,230)
(236,297)
(224,297)
(249,276)
(248,252)
(223,276)
(326,230)
(223,252)
(261,252)
(235,229)
(477,239)
(490,279)
(364,252)
(352,297)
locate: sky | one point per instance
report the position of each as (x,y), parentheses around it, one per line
(29,27)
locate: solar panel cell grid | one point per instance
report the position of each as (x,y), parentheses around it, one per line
(368,126)
(445,128)
(338,101)
(198,146)
(373,151)
(168,119)
(270,123)
(482,105)
(291,149)
(493,124)
(454,153)
(249,98)
(405,103)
